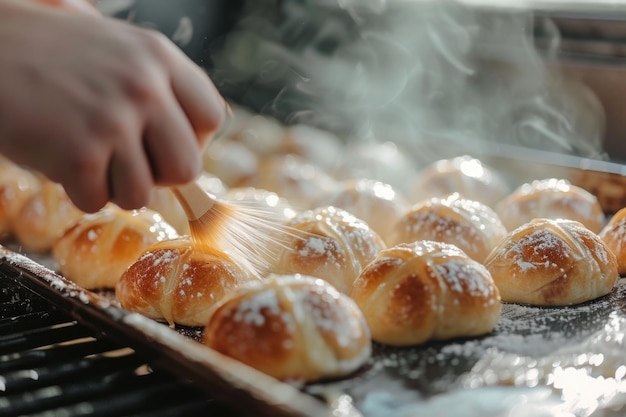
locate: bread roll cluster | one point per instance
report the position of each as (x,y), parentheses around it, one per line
(378,248)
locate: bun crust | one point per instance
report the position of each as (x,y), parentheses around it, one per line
(374,202)
(172,282)
(551,199)
(17,185)
(552,262)
(44,217)
(464,175)
(420,291)
(291,327)
(96,250)
(333,245)
(614,235)
(470,225)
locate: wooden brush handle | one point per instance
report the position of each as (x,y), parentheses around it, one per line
(194,199)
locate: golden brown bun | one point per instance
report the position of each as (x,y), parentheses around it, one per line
(420,291)
(294,328)
(552,262)
(464,175)
(334,246)
(314,145)
(262,199)
(386,162)
(614,235)
(174,283)
(472,226)
(44,217)
(551,198)
(293,178)
(96,250)
(230,161)
(374,202)
(16,186)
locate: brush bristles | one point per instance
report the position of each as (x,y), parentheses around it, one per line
(250,233)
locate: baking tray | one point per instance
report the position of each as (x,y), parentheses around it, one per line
(537,361)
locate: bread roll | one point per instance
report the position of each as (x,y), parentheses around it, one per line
(293,178)
(328,243)
(294,328)
(16,186)
(230,161)
(424,290)
(314,145)
(377,203)
(172,282)
(614,235)
(44,217)
(464,175)
(96,250)
(381,161)
(551,198)
(552,262)
(262,199)
(472,226)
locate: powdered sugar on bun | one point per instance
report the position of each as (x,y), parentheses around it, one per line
(464,175)
(472,226)
(375,202)
(291,327)
(552,262)
(328,243)
(172,282)
(425,290)
(551,198)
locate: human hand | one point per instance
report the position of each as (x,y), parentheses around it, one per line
(82,6)
(107,109)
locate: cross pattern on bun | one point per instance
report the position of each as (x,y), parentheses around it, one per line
(551,198)
(328,243)
(424,290)
(96,250)
(552,262)
(471,225)
(292,327)
(614,235)
(173,282)
(464,175)
(375,202)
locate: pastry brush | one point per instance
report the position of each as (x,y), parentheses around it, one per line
(248,231)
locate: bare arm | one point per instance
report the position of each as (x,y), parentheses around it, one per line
(105,108)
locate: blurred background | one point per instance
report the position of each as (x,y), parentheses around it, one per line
(465,75)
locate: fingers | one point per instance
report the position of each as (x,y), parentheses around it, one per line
(199,99)
(171,146)
(129,177)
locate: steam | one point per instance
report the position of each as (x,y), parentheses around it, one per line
(413,73)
